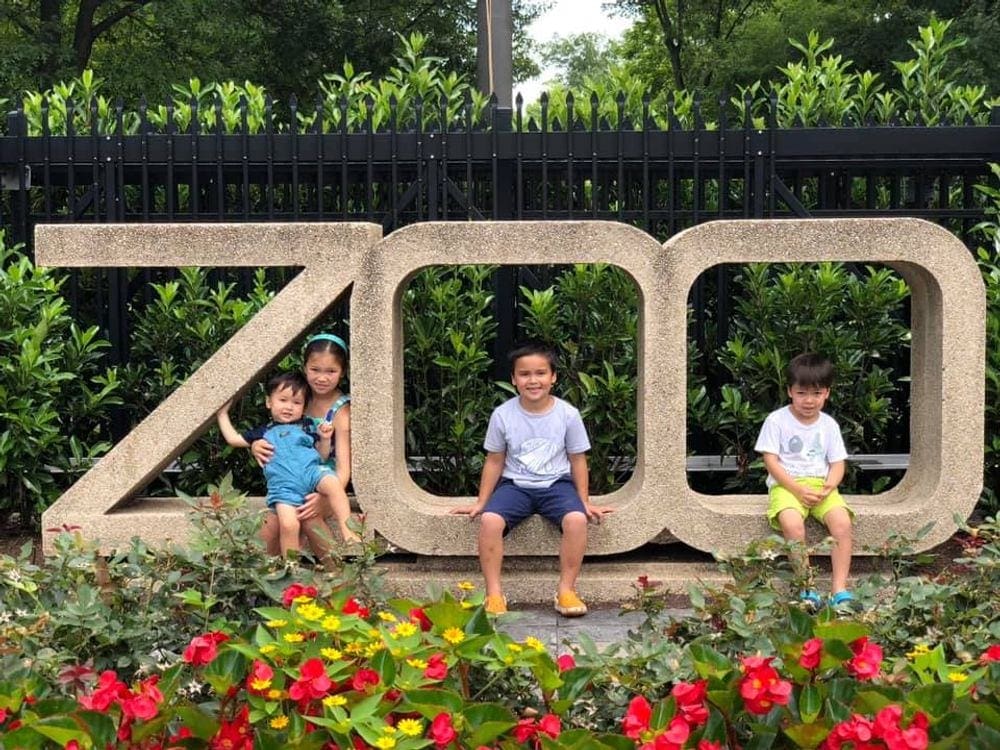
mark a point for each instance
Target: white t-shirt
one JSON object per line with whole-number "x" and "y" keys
{"x": 804, "y": 450}
{"x": 537, "y": 446}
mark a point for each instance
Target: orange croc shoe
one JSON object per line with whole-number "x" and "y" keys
{"x": 568, "y": 604}
{"x": 495, "y": 604}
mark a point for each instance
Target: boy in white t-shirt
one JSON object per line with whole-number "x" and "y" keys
{"x": 804, "y": 455}
{"x": 536, "y": 462}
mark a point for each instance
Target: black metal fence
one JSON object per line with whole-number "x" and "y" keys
{"x": 661, "y": 180}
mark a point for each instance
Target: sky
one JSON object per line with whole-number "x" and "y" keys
{"x": 564, "y": 18}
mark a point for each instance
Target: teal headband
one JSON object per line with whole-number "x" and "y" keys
{"x": 328, "y": 337}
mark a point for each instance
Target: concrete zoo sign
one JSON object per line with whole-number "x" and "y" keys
{"x": 946, "y": 420}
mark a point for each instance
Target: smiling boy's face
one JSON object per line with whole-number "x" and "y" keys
{"x": 533, "y": 377}
{"x": 286, "y": 405}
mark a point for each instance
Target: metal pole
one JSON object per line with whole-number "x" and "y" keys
{"x": 495, "y": 54}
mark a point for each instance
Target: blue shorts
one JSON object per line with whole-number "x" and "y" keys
{"x": 289, "y": 492}
{"x": 514, "y": 503}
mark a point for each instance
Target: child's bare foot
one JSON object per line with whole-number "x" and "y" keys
{"x": 350, "y": 537}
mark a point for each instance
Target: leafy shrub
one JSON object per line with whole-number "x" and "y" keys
{"x": 55, "y": 392}
{"x": 173, "y": 335}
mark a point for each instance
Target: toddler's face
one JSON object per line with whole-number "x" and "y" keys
{"x": 807, "y": 401}
{"x": 286, "y": 405}
{"x": 323, "y": 372}
{"x": 533, "y": 377}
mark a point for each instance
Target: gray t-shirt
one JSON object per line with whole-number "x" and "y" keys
{"x": 537, "y": 446}
{"x": 804, "y": 450}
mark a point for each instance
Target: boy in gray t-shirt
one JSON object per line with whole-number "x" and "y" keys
{"x": 536, "y": 462}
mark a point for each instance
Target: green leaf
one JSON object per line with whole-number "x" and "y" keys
{"x": 810, "y": 703}
{"x": 431, "y": 702}
{"x": 385, "y": 665}
{"x": 201, "y": 724}
{"x": 934, "y": 700}
{"x": 806, "y": 735}
{"x": 840, "y": 630}
{"x": 366, "y": 707}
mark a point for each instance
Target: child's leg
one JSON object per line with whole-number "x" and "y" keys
{"x": 571, "y": 549}
{"x": 838, "y": 523}
{"x": 318, "y": 534}
{"x": 269, "y": 534}
{"x": 336, "y": 499}
{"x": 793, "y": 528}
{"x": 288, "y": 527}
{"x": 491, "y": 528}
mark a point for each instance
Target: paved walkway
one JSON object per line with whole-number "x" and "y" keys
{"x": 603, "y": 625}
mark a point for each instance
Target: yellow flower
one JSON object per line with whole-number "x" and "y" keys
{"x": 385, "y": 743}
{"x": 515, "y": 647}
{"x": 276, "y": 623}
{"x": 260, "y": 685}
{"x": 302, "y": 599}
{"x": 268, "y": 648}
{"x": 417, "y": 663}
{"x": 279, "y": 722}
{"x": 918, "y": 650}
{"x": 466, "y": 586}
{"x": 373, "y": 648}
{"x": 532, "y": 642}
{"x": 454, "y": 636}
{"x": 373, "y": 633}
{"x": 467, "y": 605}
{"x": 957, "y": 677}
{"x": 330, "y": 624}
{"x": 331, "y": 653}
{"x": 331, "y": 701}
{"x": 274, "y": 695}
{"x": 311, "y": 612}
{"x": 354, "y": 649}
{"x": 410, "y": 727}
{"x": 404, "y": 630}
{"x": 508, "y": 659}
{"x": 386, "y": 616}
{"x": 293, "y": 637}
{"x": 387, "y": 729}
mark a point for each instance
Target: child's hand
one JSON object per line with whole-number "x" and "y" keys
{"x": 810, "y": 497}
{"x": 467, "y": 510}
{"x": 826, "y": 489}
{"x": 325, "y": 430}
{"x": 596, "y": 512}
{"x": 262, "y": 451}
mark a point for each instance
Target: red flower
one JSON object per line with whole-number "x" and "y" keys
{"x": 259, "y": 673}
{"x": 204, "y": 648}
{"x": 294, "y": 591}
{"x": 313, "y": 681}
{"x": 760, "y": 687}
{"x": 437, "y": 667}
{"x": 636, "y": 720}
{"x": 442, "y": 731}
{"x": 3, "y": 715}
{"x": 109, "y": 690}
{"x": 72, "y": 745}
{"x": 886, "y": 731}
{"x": 812, "y": 650}
{"x": 991, "y": 654}
{"x": 144, "y": 703}
{"x": 867, "y": 661}
{"x": 566, "y": 661}
{"x": 550, "y": 725}
{"x": 363, "y": 678}
{"x": 690, "y": 697}
{"x": 235, "y": 734}
{"x": 708, "y": 745}
{"x": 353, "y": 607}
{"x": 419, "y": 617}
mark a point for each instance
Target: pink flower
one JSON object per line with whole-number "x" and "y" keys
{"x": 353, "y": 607}
{"x": 109, "y": 690}
{"x": 419, "y": 617}
{"x": 442, "y": 731}
{"x": 812, "y": 650}
{"x": 204, "y": 648}
{"x": 690, "y": 697}
{"x": 525, "y": 730}
{"x": 566, "y": 661}
{"x": 761, "y": 688}
{"x": 867, "y": 661}
{"x": 294, "y": 591}
{"x": 550, "y": 725}
{"x": 363, "y": 678}
{"x": 991, "y": 654}
{"x": 145, "y": 703}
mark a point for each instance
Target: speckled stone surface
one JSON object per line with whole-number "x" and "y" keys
{"x": 946, "y": 423}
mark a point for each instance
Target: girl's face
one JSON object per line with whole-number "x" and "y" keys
{"x": 323, "y": 371}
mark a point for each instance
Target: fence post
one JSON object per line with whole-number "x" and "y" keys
{"x": 505, "y": 277}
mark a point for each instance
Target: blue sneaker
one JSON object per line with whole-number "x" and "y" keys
{"x": 843, "y": 599}
{"x": 810, "y": 599}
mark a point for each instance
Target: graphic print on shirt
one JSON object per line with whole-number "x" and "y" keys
{"x": 796, "y": 447}
{"x": 536, "y": 454}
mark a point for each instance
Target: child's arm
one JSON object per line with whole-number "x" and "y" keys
{"x": 324, "y": 439}
{"x": 833, "y": 478}
{"x": 803, "y": 494}
{"x": 229, "y": 433}
{"x": 342, "y": 443}
{"x": 580, "y": 475}
{"x": 492, "y": 471}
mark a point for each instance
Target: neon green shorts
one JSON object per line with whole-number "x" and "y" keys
{"x": 781, "y": 499}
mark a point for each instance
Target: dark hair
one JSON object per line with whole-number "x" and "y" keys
{"x": 325, "y": 346}
{"x": 294, "y": 380}
{"x": 810, "y": 369}
{"x": 533, "y": 348}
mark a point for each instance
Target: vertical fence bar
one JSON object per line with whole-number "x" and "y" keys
{"x": 46, "y": 159}
{"x": 747, "y": 152}
{"x": 672, "y": 126}
{"x": 269, "y": 139}
{"x": 22, "y": 177}
{"x": 620, "y": 156}
{"x": 245, "y": 157}
{"x": 723, "y": 185}
{"x": 545, "y": 154}
{"x": 170, "y": 186}
{"x": 772, "y": 129}
{"x": 394, "y": 158}
{"x": 293, "y": 134}
{"x": 570, "y": 131}
{"x": 193, "y": 131}
{"x": 646, "y": 199}
{"x": 344, "y": 206}
{"x": 443, "y": 176}
{"x": 220, "y": 160}
{"x": 519, "y": 160}
{"x": 696, "y": 164}
{"x": 318, "y": 132}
